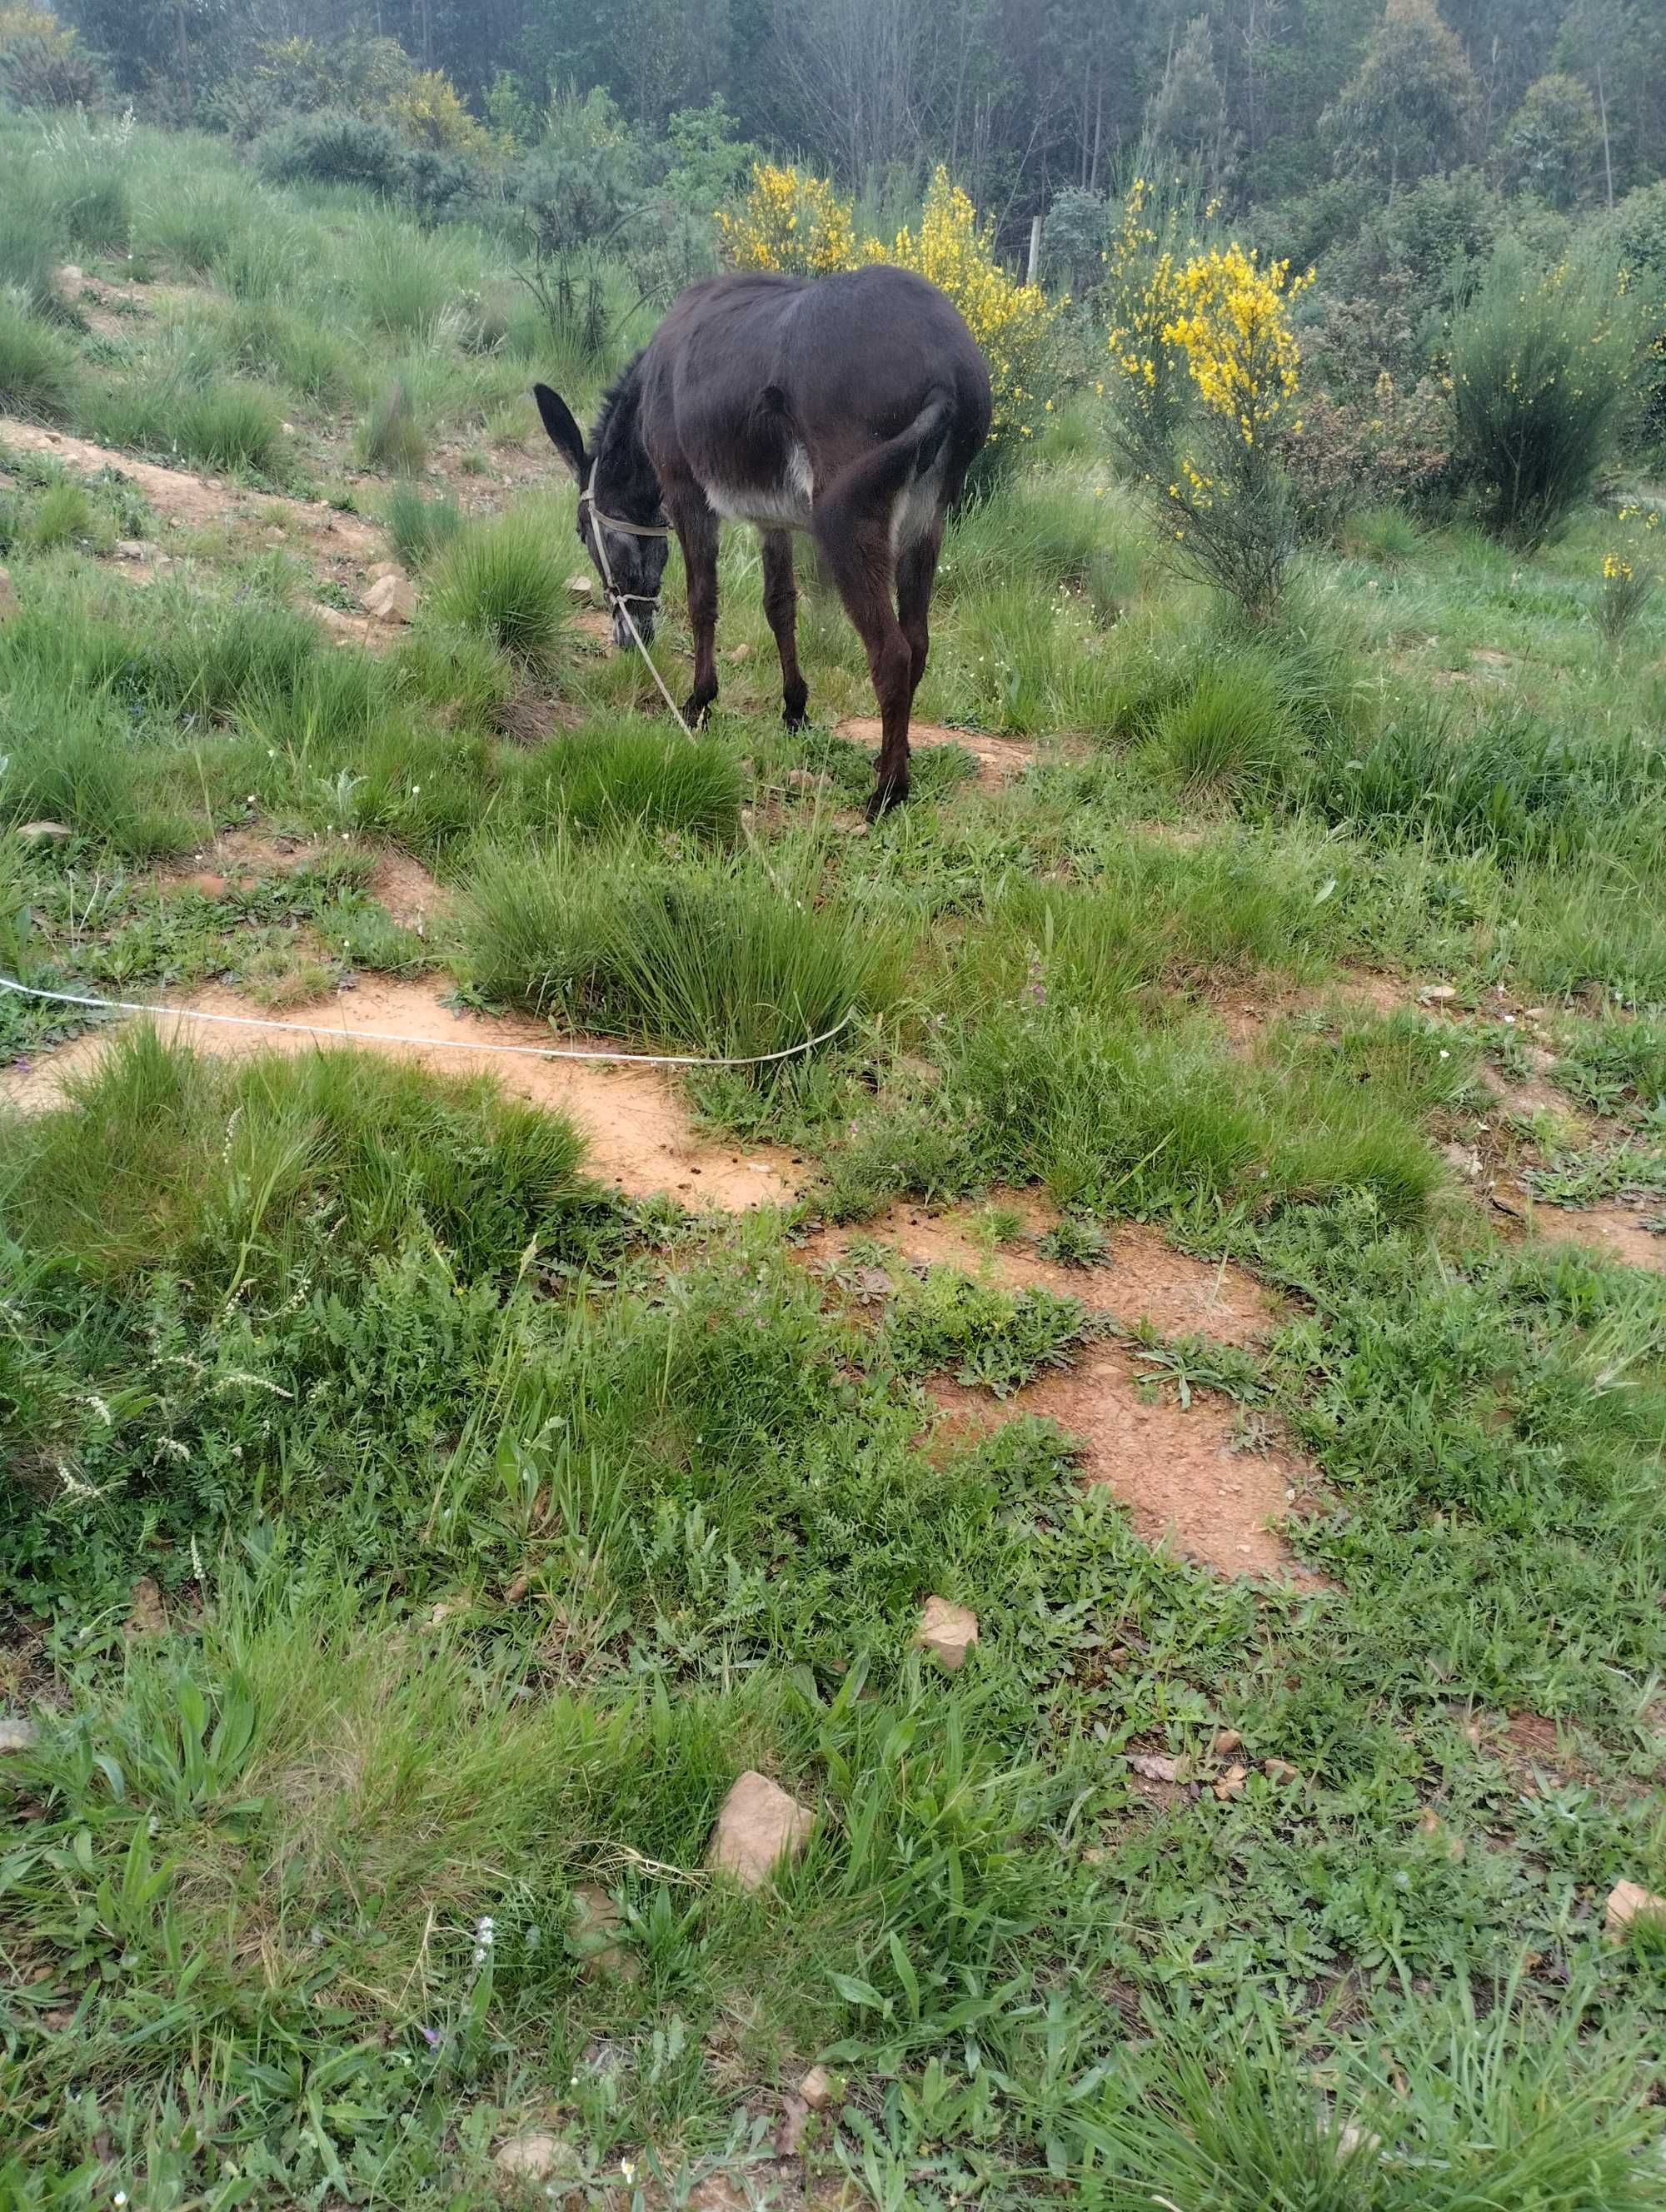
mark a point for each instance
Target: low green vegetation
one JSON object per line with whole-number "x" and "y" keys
{"x": 405, "y": 1531}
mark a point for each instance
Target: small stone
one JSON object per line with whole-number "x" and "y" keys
{"x": 44, "y": 833}
{"x": 805, "y": 779}
{"x": 947, "y": 1631}
{"x": 132, "y": 549}
{"x": 1437, "y": 994}
{"x": 581, "y": 586}
{"x": 1227, "y": 1742}
{"x": 1465, "y": 1160}
{"x": 1231, "y": 1784}
{"x": 514, "y": 1591}
{"x": 759, "y": 1825}
{"x": 9, "y": 606}
{"x": 70, "y": 275}
{"x": 1630, "y": 1906}
{"x": 738, "y": 654}
{"x": 1157, "y": 1766}
{"x": 288, "y": 428}
{"x": 447, "y": 1609}
{"x": 538, "y": 2155}
{"x": 816, "y": 2088}
{"x": 789, "y": 2134}
{"x": 595, "y": 1916}
{"x": 16, "y": 1733}
{"x": 390, "y": 599}
{"x": 148, "y": 1617}
{"x": 1357, "y": 2142}
{"x": 1281, "y": 1773}
{"x": 384, "y": 569}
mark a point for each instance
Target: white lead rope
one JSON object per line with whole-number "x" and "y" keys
{"x": 601, "y": 524}
{"x": 436, "y": 1044}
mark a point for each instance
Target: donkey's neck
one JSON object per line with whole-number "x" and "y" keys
{"x": 625, "y": 479}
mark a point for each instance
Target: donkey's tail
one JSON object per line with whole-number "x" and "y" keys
{"x": 879, "y": 476}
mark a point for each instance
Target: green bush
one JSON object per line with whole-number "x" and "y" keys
{"x": 37, "y": 366}
{"x": 1543, "y": 370}
{"x": 504, "y": 579}
{"x": 633, "y": 777}
{"x": 421, "y": 527}
{"x": 331, "y": 148}
{"x": 392, "y": 440}
{"x": 721, "y": 960}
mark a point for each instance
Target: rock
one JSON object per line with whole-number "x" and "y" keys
{"x": 1357, "y": 2142}
{"x": 514, "y": 1591}
{"x": 805, "y": 779}
{"x": 816, "y": 2088}
{"x": 1437, "y": 994}
{"x": 538, "y": 2155}
{"x": 1227, "y": 1742}
{"x": 595, "y": 1917}
{"x": 1281, "y": 1773}
{"x": 44, "y": 833}
{"x": 789, "y": 2134}
{"x": 947, "y": 1631}
{"x": 1231, "y": 1784}
{"x": 1465, "y": 1160}
{"x": 148, "y": 1617}
{"x": 16, "y": 1733}
{"x": 9, "y": 606}
{"x": 1155, "y": 1767}
{"x": 759, "y": 1824}
{"x": 739, "y": 653}
{"x": 132, "y": 549}
{"x": 70, "y": 275}
{"x": 392, "y": 599}
{"x": 1630, "y": 1906}
{"x": 384, "y": 569}
{"x": 581, "y": 586}
{"x": 288, "y": 428}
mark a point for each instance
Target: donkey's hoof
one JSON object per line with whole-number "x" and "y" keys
{"x": 885, "y": 796}
{"x": 696, "y": 711}
{"x": 795, "y": 718}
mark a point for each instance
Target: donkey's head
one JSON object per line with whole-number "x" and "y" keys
{"x": 621, "y": 523}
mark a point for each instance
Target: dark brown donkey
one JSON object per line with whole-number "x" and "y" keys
{"x": 848, "y": 406}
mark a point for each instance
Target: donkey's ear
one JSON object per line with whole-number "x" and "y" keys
{"x": 565, "y": 433}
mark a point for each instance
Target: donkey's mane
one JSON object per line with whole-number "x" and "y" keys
{"x": 616, "y": 443}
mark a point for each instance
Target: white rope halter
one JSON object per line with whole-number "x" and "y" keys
{"x": 620, "y": 601}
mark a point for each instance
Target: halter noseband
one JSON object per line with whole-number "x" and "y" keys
{"x": 614, "y": 596}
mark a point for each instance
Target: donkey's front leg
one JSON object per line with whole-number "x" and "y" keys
{"x": 780, "y": 610}
{"x": 696, "y": 532}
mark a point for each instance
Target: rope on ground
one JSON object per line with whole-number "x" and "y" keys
{"x": 436, "y": 1044}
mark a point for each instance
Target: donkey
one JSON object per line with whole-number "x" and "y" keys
{"x": 850, "y": 407}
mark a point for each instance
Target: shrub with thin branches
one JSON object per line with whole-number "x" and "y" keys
{"x": 1543, "y": 370}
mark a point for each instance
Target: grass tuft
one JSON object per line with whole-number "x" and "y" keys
{"x": 503, "y": 579}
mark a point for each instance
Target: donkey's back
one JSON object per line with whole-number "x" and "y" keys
{"x": 765, "y": 390}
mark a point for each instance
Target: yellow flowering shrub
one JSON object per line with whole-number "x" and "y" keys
{"x": 430, "y": 111}
{"x": 1629, "y": 574}
{"x": 789, "y": 221}
{"x": 1206, "y": 364}
{"x": 19, "y": 24}
{"x": 799, "y": 224}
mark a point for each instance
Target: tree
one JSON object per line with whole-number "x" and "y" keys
{"x": 1187, "y": 112}
{"x": 1414, "y": 107}
{"x": 1553, "y": 146}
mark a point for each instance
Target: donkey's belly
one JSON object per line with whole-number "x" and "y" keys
{"x": 784, "y": 505}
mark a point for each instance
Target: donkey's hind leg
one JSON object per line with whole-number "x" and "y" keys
{"x": 859, "y": 558}
{"x": 696, "y": 526}
{"x": 780, "y": 607}
{"x": 916, "y": 572}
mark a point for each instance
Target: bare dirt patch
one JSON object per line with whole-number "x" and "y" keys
{"x": 1246, "y": 1010}
{"x": 639, "y": 1134}
{"x": 1613, "y": 1228}
{"x": 1182, "y": 1471}
{"x": 1141, "y": 1277}
{"x": 998, "y": 759}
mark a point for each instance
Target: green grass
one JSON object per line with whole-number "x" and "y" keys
{"x": 504, "y": 580}
{"x": 392, "y": 440}
{"x": 500, "y": 1520}
{"x": 37, "y": 366}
